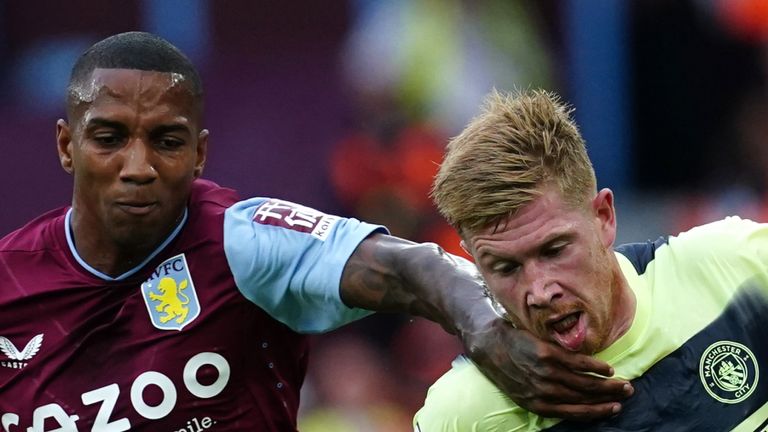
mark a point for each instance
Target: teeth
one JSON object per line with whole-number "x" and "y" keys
{"x": 565, "y": 323}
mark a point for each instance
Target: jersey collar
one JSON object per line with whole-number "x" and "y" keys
{"x": 129, "y": 273}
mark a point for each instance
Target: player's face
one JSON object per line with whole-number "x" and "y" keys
{"x": 552, "y": 267}
{"x": 134, "y": 148}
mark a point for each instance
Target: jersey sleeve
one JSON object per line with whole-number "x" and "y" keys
{"x": 464, "y": 400}
{"x": 288, "y": 259}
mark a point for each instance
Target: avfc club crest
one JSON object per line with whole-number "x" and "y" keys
{"x": 170, "y": 295}
{"x": 729, "y": 371}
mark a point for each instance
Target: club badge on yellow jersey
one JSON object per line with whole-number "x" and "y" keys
{"x": 729, "y": 371}
{"x": 170, "y": 295}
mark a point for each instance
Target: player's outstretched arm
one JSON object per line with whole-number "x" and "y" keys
{"x": 389, "y": 274}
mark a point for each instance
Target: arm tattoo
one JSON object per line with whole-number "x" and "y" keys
{"x": 388, "y": 274}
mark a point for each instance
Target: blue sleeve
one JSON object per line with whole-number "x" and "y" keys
{"x": 288, "y": 260}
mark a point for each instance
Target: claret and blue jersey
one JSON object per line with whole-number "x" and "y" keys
{"x": 206, "y": 334}
{"x": 696, "y": 353}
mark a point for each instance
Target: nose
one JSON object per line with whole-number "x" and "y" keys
{"x": 137, "y": 163}
{"x": 541, "y": 290}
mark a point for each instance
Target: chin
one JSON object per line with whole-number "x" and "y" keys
{"x": 592, "y": 346}
{"x": 135, "y": 236}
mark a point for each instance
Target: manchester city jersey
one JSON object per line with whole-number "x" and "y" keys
{"x": 694, "y": 353}
{"x": 205, "y": 335}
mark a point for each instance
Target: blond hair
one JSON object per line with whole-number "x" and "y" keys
{"x": 519, "y": 143}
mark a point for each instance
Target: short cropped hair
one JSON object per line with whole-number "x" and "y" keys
{"x": 132, "y": 50}
{"x": 519, "y": 143}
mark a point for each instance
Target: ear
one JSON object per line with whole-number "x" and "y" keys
{"x": 64, "y": 145}
{"x": 464, "y": 247}
{"x": 202, "y": 152}
{"x": 605, "y": 216}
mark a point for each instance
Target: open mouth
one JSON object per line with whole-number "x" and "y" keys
{"x": 569, "y": 331}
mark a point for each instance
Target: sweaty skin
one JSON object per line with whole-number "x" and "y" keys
{"x": 134, "y": 151}
{"x": 87, "y": 91}
{"x": 552, "y": 267}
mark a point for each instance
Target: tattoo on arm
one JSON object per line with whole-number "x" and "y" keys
{"x": 389, "y": 274}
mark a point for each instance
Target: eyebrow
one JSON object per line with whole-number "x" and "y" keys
{"x": 548, "y": 241}
{"x": 563, "y": 235}
{"x": 102, "y": 122}
{"x": 160, "y": 130}
{"x": 169, "y": 128}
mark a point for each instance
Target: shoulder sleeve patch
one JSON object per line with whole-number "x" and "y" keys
{"x": 295, "y": 217}
{"x": 288, "y": 259}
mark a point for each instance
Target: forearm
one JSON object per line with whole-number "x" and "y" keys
{"x": 390, "y": 274}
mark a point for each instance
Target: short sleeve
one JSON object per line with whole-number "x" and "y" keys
{"x": 288, "y": 259}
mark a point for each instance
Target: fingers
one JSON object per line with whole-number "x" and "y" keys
{"x": 546, "y": 379}
{"x": 558, "y": 390}
{"x": 578, "y": 372}
{"x": 575, "y": 412}
{"x": 604, "y": 392}
{"x": 556, "y": 382}
{"x": 582, "y": 363}
{"x": 595, "y": 389}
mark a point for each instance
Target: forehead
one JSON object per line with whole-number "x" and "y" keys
{"x": 130, "y": 86}
{"x": 546, "y": 216}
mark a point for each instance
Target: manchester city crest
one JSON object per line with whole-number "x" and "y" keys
{"x": 170, "y": 295}
{"x": 729, "y": 371}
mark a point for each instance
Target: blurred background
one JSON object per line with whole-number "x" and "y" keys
{"x": 346, "y": 106}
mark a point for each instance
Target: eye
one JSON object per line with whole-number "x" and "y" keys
{"x": 170, "y": 143}
{"x": 504, "y": 267}
{"x": 553, "y": 250}
{"x": 108, "y": 139}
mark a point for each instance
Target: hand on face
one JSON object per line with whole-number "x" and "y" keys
{"x": 544, "y": 378}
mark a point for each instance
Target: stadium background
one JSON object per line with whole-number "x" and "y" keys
{"x": 346, "y": 105}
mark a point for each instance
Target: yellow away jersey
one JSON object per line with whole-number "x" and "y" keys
{"x": 694, "y": 352}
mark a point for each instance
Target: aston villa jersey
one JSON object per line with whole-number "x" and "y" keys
{"x": 205, "y": 335}
{"x": 696, "y": 353}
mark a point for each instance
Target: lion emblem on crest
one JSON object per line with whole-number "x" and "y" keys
{"x": 172, "y": 300}
{"x": 170, "y": 295}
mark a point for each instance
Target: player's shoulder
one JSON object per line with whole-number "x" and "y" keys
{"x": 716, "y": 249}
{"x": 731, "y": 233}
{"x": 209, "y": 196}
{"x": 36, "y": 234}
{"x": 731, "y": 227}
{"x": 463, "y": 399}
{"x": 714, "y": 238}
{"x": 207, "y": 205}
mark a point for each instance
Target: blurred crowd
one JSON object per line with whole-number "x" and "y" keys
{"x": 346, "y": 106}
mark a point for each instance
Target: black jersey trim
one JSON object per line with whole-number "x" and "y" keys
{"x": 641, "y": 254}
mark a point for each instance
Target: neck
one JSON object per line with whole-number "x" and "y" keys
{"x": 107, "y": 257}
{"x": 113, "y": 255}
{"x": 624, "y": 305}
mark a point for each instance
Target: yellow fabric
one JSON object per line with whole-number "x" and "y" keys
{"x": 686, "y": 287}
